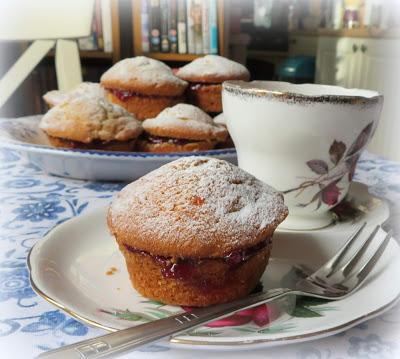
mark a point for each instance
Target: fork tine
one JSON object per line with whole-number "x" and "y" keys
{"x": 333, "y": 263}
{"x": 366, "y": 268}
{"x": 353, "y": 261}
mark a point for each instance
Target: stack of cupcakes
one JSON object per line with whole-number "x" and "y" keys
{"x": 147, "y": 90}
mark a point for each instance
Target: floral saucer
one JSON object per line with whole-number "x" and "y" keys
{"x": 24, "y": 135}
{"x": 79, "y": 269}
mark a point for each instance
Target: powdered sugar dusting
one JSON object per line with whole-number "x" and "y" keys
{"x": 213, "y": 65}
{"x": 88, "y": 89}
{"x": 142, "y": 69}
{"x": 86, "y": 119}
{"x": 183, "y": 111}
{"x": 220, "y": 119}
{"x": 197, "y": 202}
{"x": 187, "y": 117}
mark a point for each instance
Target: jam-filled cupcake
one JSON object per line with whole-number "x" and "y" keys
{"x": 196, "y": 231}
{"x": 205, "y": 76}
{"x": 143, "y": 86}
{"x": 88, "y": 89}
{"x": 220, "y": 120}
{"x": 181, "y": 128}
{"x": 91, "y": 123}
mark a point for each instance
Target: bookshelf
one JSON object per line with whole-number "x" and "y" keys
{"x": 178, "y": 57}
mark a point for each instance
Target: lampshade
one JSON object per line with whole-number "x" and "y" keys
{"x": 45, "y": 19}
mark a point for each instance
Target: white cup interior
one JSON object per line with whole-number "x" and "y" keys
{"x": 310, "y": 90}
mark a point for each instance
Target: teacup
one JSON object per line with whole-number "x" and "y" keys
{"x": 304, "y": 140}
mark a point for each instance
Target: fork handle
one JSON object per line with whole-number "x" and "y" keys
{"x": 127, "y": 339}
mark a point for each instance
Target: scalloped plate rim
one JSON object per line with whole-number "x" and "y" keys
{"x": 26, "y": 146}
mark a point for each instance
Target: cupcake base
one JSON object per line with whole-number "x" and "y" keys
{"x": 123, "y": 146}
{"x": 144, "y": 145}
{"x": 206, "y": 96}
{"x": 143, "y": 106}
{"x": 212, "y": 281}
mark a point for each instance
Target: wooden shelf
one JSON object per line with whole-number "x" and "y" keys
{"x": 163, "y": 56}
{"x": 360, "y": 32}
{"x": 95, "y": 54}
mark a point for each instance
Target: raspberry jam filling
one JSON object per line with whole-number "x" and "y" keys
{"x": 175, "y": 141}
{"x": 185, "y": 268}
{"x": 125, "y": 95}
{"x": 95, "y": 144}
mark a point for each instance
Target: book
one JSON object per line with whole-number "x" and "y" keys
{"x": 182, "y": 33}
{"x": 164, "y": 25}
{"x": 98, "y": 25}
{"x": 106, "y": 23}
{"x": 89, "y": 43}
{"x": 213, "y": 25}
{"x": 190, "y": 27}
{"x": 145, "y": 26}
{"x": 172, "y": 26}
{"x": 196, "y": 13}
{"x": 205, "y": 17}
{"x": 154, "y": 26}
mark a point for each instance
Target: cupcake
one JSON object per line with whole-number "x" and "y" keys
{"x": 220, "y": 120}
{"x": 90, "y": 123}
{"x": 143, "y": 86}
{"x": 88, "y": 89}
{"x": 196, "y": 231}
{"x": 205, "y": 76}
{"x": 179, "y": 129}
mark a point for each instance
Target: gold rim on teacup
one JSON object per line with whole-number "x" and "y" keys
{"x": 260, "y": 89}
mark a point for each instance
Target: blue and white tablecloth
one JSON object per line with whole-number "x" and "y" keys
{"x": 32, "y": 202}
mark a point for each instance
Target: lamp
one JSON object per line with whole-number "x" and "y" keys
{"x": 47, "y": 23}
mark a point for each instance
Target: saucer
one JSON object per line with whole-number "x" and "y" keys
{"x": 78, "y": 268}
{"x": 357, "y": 207}
{"x": 24, "y": 135}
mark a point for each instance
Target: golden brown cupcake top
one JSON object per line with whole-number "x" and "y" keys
{"x": 195, "y": 207}
{"x": 213, "y": 69}
{"x": 185, "y": 122}
{"x": 86, "y": 119}
{"x": 144, "y": 76}
{"x": 88, "y": 89}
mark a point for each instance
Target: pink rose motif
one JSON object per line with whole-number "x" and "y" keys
{"x": 260, "y": 315}
{"x": 330, "y": 194}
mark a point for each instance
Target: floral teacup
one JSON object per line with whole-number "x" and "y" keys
{"x": 304, "y": 140}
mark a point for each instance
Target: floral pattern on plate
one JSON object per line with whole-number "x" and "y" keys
{"x": 260, "y": 319}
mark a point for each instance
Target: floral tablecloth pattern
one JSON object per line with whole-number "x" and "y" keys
{"x": 31, "y": 203}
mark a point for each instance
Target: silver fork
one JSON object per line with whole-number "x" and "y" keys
{"x": 337, "y": 278}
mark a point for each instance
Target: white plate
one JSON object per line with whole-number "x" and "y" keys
{"x": 23, "y": 134}
{"x": 69, "y": 268}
